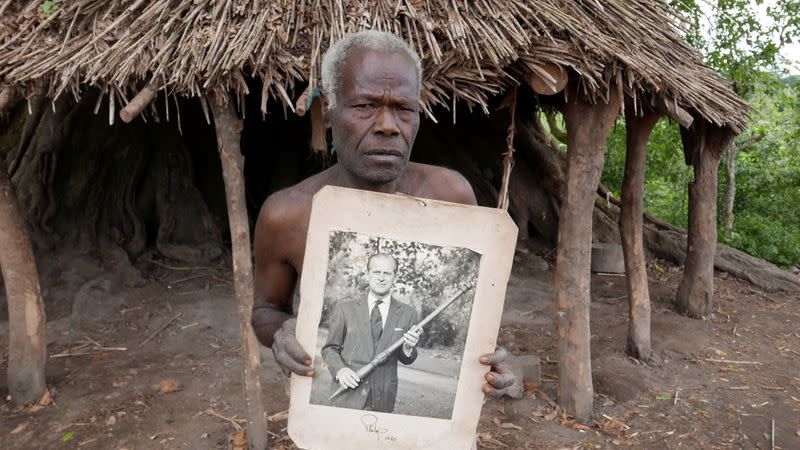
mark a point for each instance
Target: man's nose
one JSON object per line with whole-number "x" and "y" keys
{"x": 386, "y": 122}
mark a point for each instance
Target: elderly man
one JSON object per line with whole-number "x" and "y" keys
{"x": 361, "y": 329}
{"x": 371, "y": 83}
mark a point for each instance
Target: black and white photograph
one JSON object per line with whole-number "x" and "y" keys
{"x": 399, "y": 303}
{"x": 394, "y": 324}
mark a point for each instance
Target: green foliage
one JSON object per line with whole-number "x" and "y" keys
{"x": 767, "y": 204}
{"x": 736, "y": 41}
{"x": 767, "y": 201}
{"x": 665, "y": 187}
{"x": 50, "y": 6}
{"x": 744, "y": 49}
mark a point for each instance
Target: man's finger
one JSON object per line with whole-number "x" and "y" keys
{"x": 498, "y": 357}
{"x": 500, "y": 379}
{"x": 492, "y": 392}
{"x": 350, "y": 381}
{"x": 292, "y": 347}
{"x": 283, "y": 359}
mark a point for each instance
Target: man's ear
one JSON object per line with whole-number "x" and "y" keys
{"x": 326, "y": 118}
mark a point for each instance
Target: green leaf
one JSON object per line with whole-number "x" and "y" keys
{"x": 50, "y": 6}
{"x": 664, "y": 397}
{"x": 70, "y": 435}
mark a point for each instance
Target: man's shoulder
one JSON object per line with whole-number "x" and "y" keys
{"x": 440, "y": 183}
{"x": 291, "y": 203}
{"x": 349, "y": 306}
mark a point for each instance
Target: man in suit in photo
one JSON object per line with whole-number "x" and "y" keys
{"x": 360, "y": 329}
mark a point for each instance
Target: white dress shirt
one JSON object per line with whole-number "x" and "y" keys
{"x": 383, "y": 307}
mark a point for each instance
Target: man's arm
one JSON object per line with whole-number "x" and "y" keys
{"x": 275, "y": 279}
{"x": 409, "y": 357}
{"x": 332, "y": 350}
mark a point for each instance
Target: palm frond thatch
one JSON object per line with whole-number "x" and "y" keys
{"x": 472, "y": 49}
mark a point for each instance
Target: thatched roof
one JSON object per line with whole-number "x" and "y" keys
{"x": 472, "y": 49}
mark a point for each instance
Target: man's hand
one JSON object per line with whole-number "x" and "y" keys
{"x": 410, "y": 339}
{"x": 499, "y": 377}
{"x": 288, "y": 353}
{"x": 347, "y": 378}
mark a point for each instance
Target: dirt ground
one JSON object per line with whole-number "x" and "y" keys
{"x": 153, "y": 362}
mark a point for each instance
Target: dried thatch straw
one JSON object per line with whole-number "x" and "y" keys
{"x": 472, "y": 49}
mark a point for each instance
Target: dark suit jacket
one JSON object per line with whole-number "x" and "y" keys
{"x": 350, "y": 345}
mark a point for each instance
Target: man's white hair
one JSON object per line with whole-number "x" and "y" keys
{"x": 334, "y": 59}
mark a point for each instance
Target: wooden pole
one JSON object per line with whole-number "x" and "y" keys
{"x": 587, "y": 129}
{"x": 27, "y": 346}
{"x": 508, "y": 159}
{"x": 630, "y": 228}
{"x": 703, "y": 145}
{"x": 228, "y": 128}
{"x": 138, "y": 103}
{"x": 547, "y": 79}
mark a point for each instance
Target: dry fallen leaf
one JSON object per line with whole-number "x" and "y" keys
{"x": 46, "y": 399}
{"x": 531, "y": 388}
{"x": 98, "y": 358}
{"x": 19, "y": 428}
{"x": 239, "y": 440}
{"x": 168, "y": 386}
{"x": 612, "y": 427}
{"x": 111, "y": 421}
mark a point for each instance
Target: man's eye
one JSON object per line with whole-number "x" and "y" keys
{"x": 365, "y": 106}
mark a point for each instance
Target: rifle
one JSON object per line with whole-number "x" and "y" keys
{"x": 382, "y": 356}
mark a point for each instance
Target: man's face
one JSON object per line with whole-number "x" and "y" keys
{"x": 376, "y": 117}
{"x": 381, "y": 273}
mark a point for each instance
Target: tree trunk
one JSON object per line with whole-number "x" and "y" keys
{"x": 27, "y": 346}
{"x": 704, "y": 145}
{"x": 587, "y": 129}
{"x": 229, "y": 127}
{"x": 730, "y": 188}
{"x": 630, "y": 227}
{"x": 88, "y": 187}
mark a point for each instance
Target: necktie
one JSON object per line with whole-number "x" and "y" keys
{"x": 376, "y": 322}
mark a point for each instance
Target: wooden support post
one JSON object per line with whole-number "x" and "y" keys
{"x": 228, "y": 128}
{"x": 588, "y": 126}
{"x": 508, "y": 159}
{"x": 630, "y": 228}
{"x": 703, "y": 147}
{"x": 27, "y": 346}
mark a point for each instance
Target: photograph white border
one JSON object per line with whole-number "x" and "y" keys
{"x": 488, "y": 231}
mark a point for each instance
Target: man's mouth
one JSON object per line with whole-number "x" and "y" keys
{"x": 384, "y": 153}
